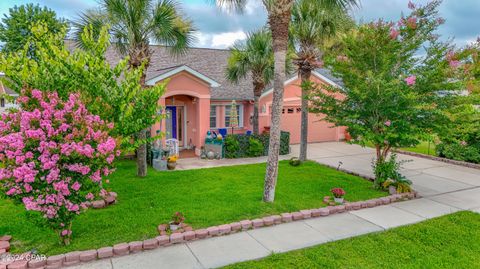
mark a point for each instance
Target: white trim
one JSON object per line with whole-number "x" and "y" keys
{"x": 320, "y": 76}
{"x": 179, "y": 69}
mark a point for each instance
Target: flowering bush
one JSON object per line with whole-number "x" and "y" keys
{"x": 391, "y": 95}
{"x": 177, "y": 218}
{"x": 53, "y": 156}
{"x": 338, "y": 192}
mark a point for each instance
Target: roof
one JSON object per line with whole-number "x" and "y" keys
{"x": 4, "y": 89}
{"x": 211, "y": 63}
{"x": 207, "y": 64}
{"x": 170, "y": 71}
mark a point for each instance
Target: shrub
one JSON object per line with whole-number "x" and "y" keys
{"x": 54, "y": 154}
{"x": 255, "y": 147}
{"x": 238, "y": 145}
{"x": 294, "y": 161}
{"x": 459, "y": 151}
{"x": 232, "y": 146}
{"x": 387, "y": 170}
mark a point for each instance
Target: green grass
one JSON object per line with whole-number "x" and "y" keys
{"x": 451, "y": 241}
{"x": 423, "y": 148}
{"x": 206, "y": 197}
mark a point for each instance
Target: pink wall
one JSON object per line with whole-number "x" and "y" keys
{"x": 189, "y": 91}
{"x": 247, "y": 112}
{"x": 318, "y": 129}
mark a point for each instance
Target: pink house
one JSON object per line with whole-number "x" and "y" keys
{"x": 198, "y": 98}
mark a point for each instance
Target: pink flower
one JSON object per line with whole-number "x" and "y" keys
{"x": 454, "y": 63}
{"x": 394, "y": 33}
{"x": 411, "y": 80}
{"x": 89, "y": 196}
{"x": 411, "y": 5}
{"x": 76, "y": 186}
{"x": 412, "y": 22}
{"x": 388, "y": 123}
{"x": 66, "y": 232}
{"x": 463, "y": 143}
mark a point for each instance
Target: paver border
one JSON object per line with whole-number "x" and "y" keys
{"x": 122, "y": 249}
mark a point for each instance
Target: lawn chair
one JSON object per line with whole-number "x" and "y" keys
{"x": 172, "y": 146}
{"x": 223, "y": 132}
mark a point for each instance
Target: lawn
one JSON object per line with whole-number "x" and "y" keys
{"x": 423, "y": 148}
{"x": 206, "y": 196}
{"x": 451, "y": 241}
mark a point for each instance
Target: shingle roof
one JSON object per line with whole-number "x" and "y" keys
{"x": 210, "y": 62}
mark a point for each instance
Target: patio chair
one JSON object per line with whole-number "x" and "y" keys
{"x": 223, "y": 132}
{"x": 248, "y": 132}
{"x": 172, "y": 146}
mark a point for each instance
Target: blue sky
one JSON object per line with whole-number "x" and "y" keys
{"x": 220, "y": 29}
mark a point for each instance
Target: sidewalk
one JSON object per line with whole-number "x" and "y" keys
{"x": 445, "y": 189}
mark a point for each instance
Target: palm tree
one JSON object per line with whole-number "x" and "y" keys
{"x": 279, "y": 13}
{"x": 255, "y": 58}
{"x": 134, "y": 23}
{"x": 313, "y": 24}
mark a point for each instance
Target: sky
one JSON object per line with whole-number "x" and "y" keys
{"x": 217, "y": 28}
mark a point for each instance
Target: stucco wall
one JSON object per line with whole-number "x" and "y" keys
{"x": 318, "y": 129}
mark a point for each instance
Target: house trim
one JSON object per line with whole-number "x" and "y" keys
{"x": 179, "y": 69}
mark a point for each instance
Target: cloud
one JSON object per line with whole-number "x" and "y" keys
{"x": 221, "y": 40}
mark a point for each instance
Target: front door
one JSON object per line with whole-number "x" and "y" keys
{"x": 175, "y": 123}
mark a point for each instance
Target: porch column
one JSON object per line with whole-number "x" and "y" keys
{"x": 161, "y": 124}
{"x": 203, "y": 122}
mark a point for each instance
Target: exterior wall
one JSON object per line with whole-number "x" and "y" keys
{"x": 318, "y": 129}
{"x": 220, "y": 105}
{"x": 184, "y": 89}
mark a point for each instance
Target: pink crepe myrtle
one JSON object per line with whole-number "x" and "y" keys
{"x": 411, "y": 80}
{"x": 53, "y": 156}
{"x": 394, "y": 33}
{"x": 388, "y": 123}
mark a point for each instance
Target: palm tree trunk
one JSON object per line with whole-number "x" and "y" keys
{"x": 257, "y": 92}
{"x": 305, "y": 77}
{"x": 279, "y": 19}
{"x": 255, "y": 115}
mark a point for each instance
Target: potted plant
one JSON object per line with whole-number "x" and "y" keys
{"x": 177, "y": 220}
{"x": 338, "y": 194}
{"x": 172, "y": 162}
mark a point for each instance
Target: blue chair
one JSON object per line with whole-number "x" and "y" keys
{"x": 249, "y": 132}
{"x": 223, "y": 132}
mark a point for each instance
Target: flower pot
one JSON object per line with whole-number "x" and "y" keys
{"x": 338, "y": 200}
{"x": 171, "y": 165}
{"x": 392, "y": 190}
{"x": 174, "y": 227}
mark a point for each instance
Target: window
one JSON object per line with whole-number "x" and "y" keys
{"x": 213, "y": 116}
{"x": 2, "y": 102}
{"x": 239, "y": 115}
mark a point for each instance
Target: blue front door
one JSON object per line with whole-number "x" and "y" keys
{"x": 171, "y": 122}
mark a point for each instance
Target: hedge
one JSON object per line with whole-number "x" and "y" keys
{"x": 243, "y": 145}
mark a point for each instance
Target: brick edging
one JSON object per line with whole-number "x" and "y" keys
{"x": 440, "y": 159}
{"x": 121, "y": 249}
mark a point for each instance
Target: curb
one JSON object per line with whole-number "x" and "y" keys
{"x": 440, "y": 159}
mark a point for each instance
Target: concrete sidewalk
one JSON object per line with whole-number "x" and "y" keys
{"x": 445, "y": 189}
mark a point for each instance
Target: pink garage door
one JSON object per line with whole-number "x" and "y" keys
{"x": 318, "y": 129}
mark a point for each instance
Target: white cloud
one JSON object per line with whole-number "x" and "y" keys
{"x": 225, "y": 40}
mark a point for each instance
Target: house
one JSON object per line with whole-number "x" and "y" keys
{"x": 198, "y": 98}
{"x": 7, "y": 97}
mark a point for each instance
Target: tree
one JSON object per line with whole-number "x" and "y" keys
{"x": 113, "y": 93}
{"x": 391, "y": 95}
{"x": 15, "y": 29}
{"x": 133, "y": 25}
{"x": 313, "y": 25}
{"x": 279, "y": 13}
{"x": 54, "y": 155}
{"x": 254, "y": 58}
